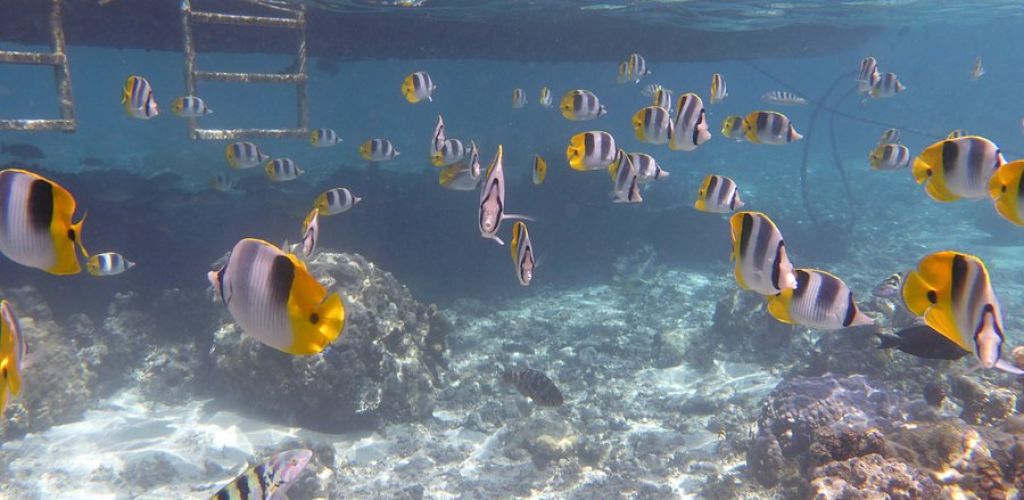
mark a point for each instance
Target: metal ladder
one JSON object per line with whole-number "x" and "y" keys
{"x": 61, "y": 73}
{"x": 299, "y": 78}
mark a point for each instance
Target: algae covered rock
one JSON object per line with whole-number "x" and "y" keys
{"x": 381, "y": 369}
{"x": 872, "y": 476}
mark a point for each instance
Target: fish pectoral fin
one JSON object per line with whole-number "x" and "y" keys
{"x": 778, "y": 307}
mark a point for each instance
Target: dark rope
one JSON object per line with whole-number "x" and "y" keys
{"x": 839, "y": 163}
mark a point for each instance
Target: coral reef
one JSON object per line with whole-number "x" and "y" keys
{"x": 871, "y": 476}
{"x": 382, "y": 368}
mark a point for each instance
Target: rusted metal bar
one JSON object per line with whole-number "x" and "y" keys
{"x": 61, "y": 75}
{"x": 268, "y": 22}
{"x": 250, "y": 133}
{"x": 61, "y": 72}
{"x": 300, "y": 58}
{"x": 218, "y": 76}
{"x": 42, "y": 58}
{"x": 190, "y": 59}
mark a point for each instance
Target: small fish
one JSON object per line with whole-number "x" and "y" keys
{"x": 378, "y": 150}
{"x": 890, "y": 286}
{"x": 783, "y": 98}
{"x": 652, "y": 125}
{"x": 522, "y": 253}
{"x": 462, "y": 176}
{"x": 336, "y": 201}
{"x": 108, "y": 264}
{"x": 540, "y": 170}
{"x": 269, "y": 480}
{"x": 977, "y": 71}
{"x": 13, "y": 351}
{"x": 662, "y": 98}
{"x": 545, "y": 97}
{"x": 534, "y": 385}
{"x": 623, "y": 74}
{"x": 647, "y": 168}
{"x": 580, "y": 105}
{"x": 889, "y": 157}
{"x": 275, "y": 300}
{"x": 690, "y": 129}
{"x": 957, "y": 133}
{"x": 418, "y": 86}
{"x": 190, "y": 106}
{"x": 310, "y": 232}
{"x": 760, "y": 254}
{"x": 868, "y": 75}
{"x": 718, "y": 194}
{"x": 518, "y": 98}
{"x": 438, "y": 138}
{"x": 282, "y": 170}
{"x": 491, "y": 209}
{"x": 732, "y": 128}
{"x": 887, "y": 86}
{"x": 890, "y": 136}
{"x": 23, "y": 151}
{"x": 922, "y": 341}
{"x": 36, "y": 225}
{"x": 650, "y": 89}
{"x": 223, "y": 183}
{"x": 324, "y": 138}
{"x": 626, "y": 188}
{"x": 636, "y": 68}
{"x": 718, "y": 89}
{"x": 137, "y": 98}
{"x": 1006, "y": 188}
{"x": 769, "y": 127}
{"x": 958, "y": 168}
{"x": 594, "y": 150}
{"x": 242, "y": 155}
{"x": 819, "y": 300}
{"x": 450, "y": 152}
{"x": 952, "y": 291}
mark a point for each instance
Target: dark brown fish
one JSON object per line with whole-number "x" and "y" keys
{"x": 23, "y": 151}
{"x": 534, "y": 385}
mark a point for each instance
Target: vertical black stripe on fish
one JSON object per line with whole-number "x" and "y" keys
{"x": 40, "y": 204}
{"x": 606, "y": 148}
{"x": 578, "y": 102}
{"x": 828, "y": 292}
{"x": 762, "y": 241}
{"x": 725, "y": 191}
{"x": 803, "y": 278}
{"x": 950, "y": 153}
{"x": 1020, "y": 193}
{"x": 242, "y": 484}
{"x": 777, "y": 265}
{"x": 712, "y": 183}
{"x": 732, "y": 202}
{"x": 762, "y": 122}
{"x": 851, "y": 309}
{"x": 975, "y": 159}
{"x": 990, "y": 312}
{"x": 282, "y": 274}
{"x": 745, "y": 230}
{"x": 648, "y": 118}
{"x": 959, "y": 274}
{"x": 589, "y": 146}
{"x": 262, "y": 473}
{"x": 223, "y": 494}
{"x": 777, "y": 124}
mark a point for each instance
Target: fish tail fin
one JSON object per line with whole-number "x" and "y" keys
{"x": 888, "y": 341}
{"x": 332, "y": 317}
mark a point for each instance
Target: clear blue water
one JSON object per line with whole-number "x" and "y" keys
{"x": 427, "y": 236}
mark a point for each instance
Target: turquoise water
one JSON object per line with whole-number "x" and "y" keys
{"x": 625, "y": 301}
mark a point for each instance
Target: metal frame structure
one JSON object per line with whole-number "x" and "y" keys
{"x": 61, "y": 73}
{"x": 300, "y": 78}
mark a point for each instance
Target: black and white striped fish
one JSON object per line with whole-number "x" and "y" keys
{"x": 518, "y": 98}
{"x": 652, "y": 125}
{"x": 522, "y": 253}
{"x": 190, "y": 106}
{"x": 593, "y": 150}
{"x": 137, "y": 98}
{"x": 647, "y": 168}
{"x": 718, "y": 89}
{"x": 464, "y": 175}
{"x": 378, "y": 150}
{"x": 783, "y": 98}
{"x": 760, "y": 254}
{"x": 626, "y": 187}
{"x": 242, "y": 155}
{"x": 718, "y": 194}
{"x": 418, "y": 86}
{"x": 819, "y": 300}
{"x": 108, "y": 264}
{"x": 889, "y": 157}
{"x": 769, "y": 127}
{"x": 581, "y": 105}
{"x": 887, "y": 86}
{"x": 324, "y": 138}
{"x": 491, "y": 209}
{"x": 269, "y": 480}
{"x": 282, "y": 170}
{"x": 868, "y": 75}
{"x": 275, "y": 300}
{"x": 35, "y": 223}
{"x": 690, "y": 128}
{"x": 890, "y": 136}
{"x": 336, "y": 201}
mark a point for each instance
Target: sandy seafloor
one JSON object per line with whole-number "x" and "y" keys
{"x": 128, "y": 448}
